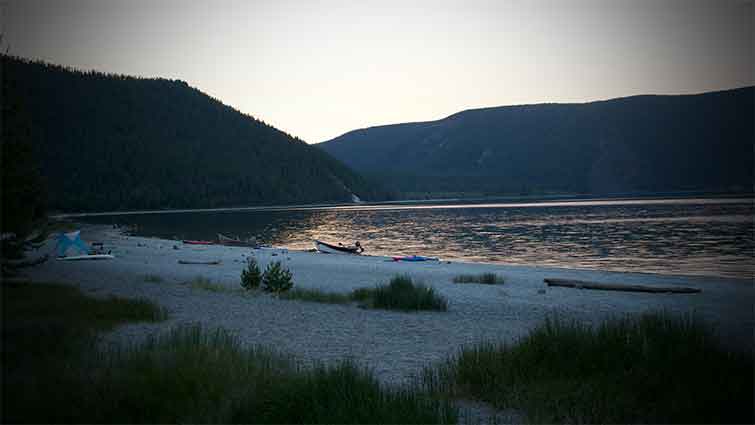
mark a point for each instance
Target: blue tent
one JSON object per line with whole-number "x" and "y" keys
{"x": 71, "y": 244}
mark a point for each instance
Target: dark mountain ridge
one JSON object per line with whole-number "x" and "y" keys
{"x": 637, "y": 144}
{"x": 114, "y": 142}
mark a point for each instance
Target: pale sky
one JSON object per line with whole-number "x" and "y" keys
{"x": 317, "y": 69}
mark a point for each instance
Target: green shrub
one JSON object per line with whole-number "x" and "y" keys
{"x": 276, "y": 278}
{"x": 485, "y": 278}
{"x": 251, "y": 277}
{"x": 652, "y": 369}
{"x": 401, "y": 294}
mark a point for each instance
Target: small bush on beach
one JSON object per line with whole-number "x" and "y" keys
{"x": 276, "y": 278}
{"x": 485, "y": 278}
{"x": 401, "y": 294}
{"x": 651, "y": 369}
{"x": 251, "y": 277}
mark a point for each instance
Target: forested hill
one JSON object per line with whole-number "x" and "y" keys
{"x": 111, "y": 142}
{"x": 629, "y": 145}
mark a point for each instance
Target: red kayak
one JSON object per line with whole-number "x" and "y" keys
{"x": 190, "y": 242}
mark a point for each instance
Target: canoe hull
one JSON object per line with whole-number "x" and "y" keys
{"x": 413, "y": 258}
{"x": 334, "y": 249}
{"x": 188, "y": 242}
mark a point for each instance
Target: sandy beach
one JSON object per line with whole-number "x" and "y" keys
{"x": 396, "y": 345}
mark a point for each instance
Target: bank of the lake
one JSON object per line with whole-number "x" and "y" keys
{"x": 396, "y": 345}
{"x": 673, "y": 236}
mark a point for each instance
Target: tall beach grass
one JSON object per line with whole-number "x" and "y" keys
{"x": 401, "y": 293}
{"x": 656, "y": 368}
{"x": 190, "y": 374}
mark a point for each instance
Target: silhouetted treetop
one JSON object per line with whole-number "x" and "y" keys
{"x": 111, "y": 142}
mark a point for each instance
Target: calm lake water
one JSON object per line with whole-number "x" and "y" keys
{"x": 711, "y": 237}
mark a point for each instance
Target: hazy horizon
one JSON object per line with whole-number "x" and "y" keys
{"x": 317, "y": 70}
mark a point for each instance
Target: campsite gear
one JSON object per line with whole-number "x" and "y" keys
{"x": 338, "y": 249}
{"x": 72, "y": 248}
{"x": 87, "y": 257}
{"x": 414, "y": 258}
{"x": 70, "y": 244}
{"x": 193, "y": 242}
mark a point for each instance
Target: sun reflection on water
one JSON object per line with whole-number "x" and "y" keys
{"x": 691, "y": 237}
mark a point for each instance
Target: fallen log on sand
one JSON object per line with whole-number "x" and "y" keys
{"x": 579, "y": 284}
{"x": 18, "y": 264}
{"x": 210, "y": 263}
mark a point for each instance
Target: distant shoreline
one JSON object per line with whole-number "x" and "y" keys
{"x": 437, "y": 203}
{"x": 498, "y": 201}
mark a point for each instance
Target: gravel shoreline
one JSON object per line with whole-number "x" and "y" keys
{"x": 395, "y": 345}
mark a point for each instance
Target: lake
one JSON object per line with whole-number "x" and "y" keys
{"x": 706, "y": 236}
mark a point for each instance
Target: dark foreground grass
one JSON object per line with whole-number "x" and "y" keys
{"x": 45, "y": 327}
{"x": 55, "y": 305}
{"x": 484, "y": 278}
{"x": 654, "y": 369}
{"x": 188, "y": 375}
{"x": 200, "y": 376}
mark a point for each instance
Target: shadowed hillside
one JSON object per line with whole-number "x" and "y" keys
{"x": 639, "y": 144}
{"x": 109, "y": 142}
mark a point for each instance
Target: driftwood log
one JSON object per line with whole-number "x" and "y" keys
{"x": 18, "y": 264}
{"x": 579, "y": 284}
{"x": 210, "y": 263}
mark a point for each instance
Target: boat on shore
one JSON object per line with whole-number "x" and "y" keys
{"x": 328, "y": 248}
{"x": 196, "y": 242}
{"x": 236, "y": 241}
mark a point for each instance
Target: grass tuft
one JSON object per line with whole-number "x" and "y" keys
{"x": 652, "y": 369}
{"x": 401, "y": 294}
{"x": 315, "y": 295}
{"x": 205, "y": 284}
{"x": 153, "y": 278}
{"x": 485, "y": 278}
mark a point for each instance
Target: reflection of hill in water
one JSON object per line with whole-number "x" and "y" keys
{"x": 710, "y": 238}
